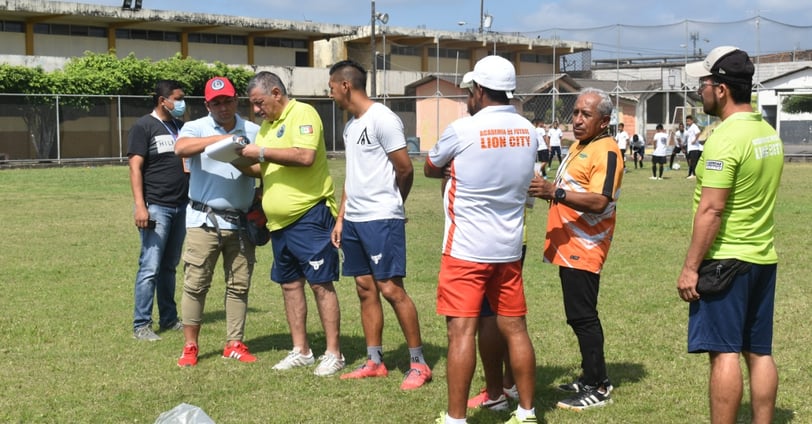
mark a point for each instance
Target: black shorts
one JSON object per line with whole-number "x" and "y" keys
{"x": 658, "y": 160}
{"x": 543, "y": 155}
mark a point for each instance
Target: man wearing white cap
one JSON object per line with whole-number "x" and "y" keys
{"x": 730, "y": 267}
{"x": 489, "y": 158}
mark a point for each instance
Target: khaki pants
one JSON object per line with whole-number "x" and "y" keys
{"x": 200, "y": 257}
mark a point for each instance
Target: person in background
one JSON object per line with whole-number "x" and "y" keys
{"x": 543, "y": 153}
{"x": 371, "y": 224}
{"x": 694, "y": 147}
{"x": 737, "y": 180}
{"x": 622, "y": 139}
{"x": 219, "y": 195}
{"x": 638, "y": 150}
{"x": 679, "y": 144}
{"x": 659, "y": 153}
{"x": 580, "y": 225}
{"x": 554, "y": 136}
{"x": 299, "y": 201}
{"x": 482, "y": 244}
{"x": 160, "y": 190}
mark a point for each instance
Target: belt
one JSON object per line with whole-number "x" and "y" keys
{"x": 229, "y": 215}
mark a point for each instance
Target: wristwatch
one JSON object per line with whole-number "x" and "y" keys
{"x": 560, "y": 194}
{"x": 261, "y": 154}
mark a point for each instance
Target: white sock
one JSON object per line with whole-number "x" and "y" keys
{"x": 522, "y": 413}
{"x": 449, "y": 420}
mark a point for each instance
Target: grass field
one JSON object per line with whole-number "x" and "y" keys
{"x": 68, "y": 257}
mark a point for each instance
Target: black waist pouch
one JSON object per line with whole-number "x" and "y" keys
{"x": 715, "y": 275}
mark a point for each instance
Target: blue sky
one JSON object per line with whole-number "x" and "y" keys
{"x": 621, "y": 28}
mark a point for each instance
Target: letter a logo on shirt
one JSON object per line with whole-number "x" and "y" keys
{"x": 364, "y": 138}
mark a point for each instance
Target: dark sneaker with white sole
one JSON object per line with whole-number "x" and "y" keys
{"x": 588, "y": 397}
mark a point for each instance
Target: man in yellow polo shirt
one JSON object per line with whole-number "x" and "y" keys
{"x": 299, "y": 202}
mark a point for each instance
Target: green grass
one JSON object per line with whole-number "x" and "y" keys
{"x": 68, "y": 256}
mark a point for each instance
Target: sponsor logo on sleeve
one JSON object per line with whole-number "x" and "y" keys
{"x": 714, "y": 165}
{"x": 305, "y": 129}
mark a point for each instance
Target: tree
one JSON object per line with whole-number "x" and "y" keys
{"x": 99, "y": 73}
{"x": 797, "y": 104}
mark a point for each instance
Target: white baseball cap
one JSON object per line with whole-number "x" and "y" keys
{"x": 727, "y": 63}
{"x": 494, "y": 72}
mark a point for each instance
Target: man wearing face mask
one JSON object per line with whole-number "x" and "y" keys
{"x": 160, "y": 193}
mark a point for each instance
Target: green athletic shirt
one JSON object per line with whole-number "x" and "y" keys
{"x": 743, "y": 154}
{"x": 291, "y": 191}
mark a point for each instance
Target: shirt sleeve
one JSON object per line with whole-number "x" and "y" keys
{"x": 446, "y": 148}
{"x": 389, "y": 132}
{"x": 307, "y": 128}
{"x": 721, "y": 160}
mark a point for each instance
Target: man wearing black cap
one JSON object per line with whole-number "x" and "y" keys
{"x": 733, "y": 232}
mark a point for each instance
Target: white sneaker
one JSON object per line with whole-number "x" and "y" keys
{"x": 329, "y": 364}
{"x": 512, "y": 392}
{"x": 295, "y": 359}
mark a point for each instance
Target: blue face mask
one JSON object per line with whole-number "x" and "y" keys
{"x": 179, "y": 110}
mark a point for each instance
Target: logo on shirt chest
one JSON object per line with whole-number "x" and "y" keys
{"x": 364, "y": 138}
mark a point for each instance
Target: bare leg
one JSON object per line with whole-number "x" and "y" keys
{"x": 394, "y": 293}
{"x": 296, "y": 313}
{"x": 763, "y": 386}
{"x": 461, "y": 363}
{"x": 330, "y": 314}
{"x": 371, "y": 309}
{"x": 492, "y": 351}
{"x": 522, "y": 357}
{"x": 725, "y": 387}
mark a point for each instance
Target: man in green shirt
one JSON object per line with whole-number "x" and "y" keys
{"x": 737, "y": 182}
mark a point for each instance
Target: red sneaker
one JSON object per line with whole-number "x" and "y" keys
{"x": 239, "y": 351}
{"x": 482, "y": 400}
{"x": 189, "y": 356}
{"x": 368, "y": 369}
{"x": 418, "y": 375}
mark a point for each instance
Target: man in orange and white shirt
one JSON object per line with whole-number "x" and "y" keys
{"x": 490, "y": 157}
{"x": 580, "y": 225}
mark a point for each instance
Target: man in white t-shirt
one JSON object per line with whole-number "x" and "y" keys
{"x": 659, "y": 153}
{"x": 554, "y": 135}
{"x": 679, "y": 144}
{"x": 694, "y": 147}
{"x": 543, "y": 153}
{"x": 489, "y": 158}
{"x": 371, "y": 224}
{"x": 622, "y": 139}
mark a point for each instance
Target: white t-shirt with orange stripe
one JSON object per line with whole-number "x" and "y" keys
{"x": 492, "y": 155}
{"x": 576, "y": 239}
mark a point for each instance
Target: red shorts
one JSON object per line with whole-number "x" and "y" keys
{"x": 463, "y": 284}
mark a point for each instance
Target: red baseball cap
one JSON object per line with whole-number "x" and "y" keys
{"x": 219, "y": 86}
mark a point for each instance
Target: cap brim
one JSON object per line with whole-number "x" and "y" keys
{"x": 467, "y": 80}
{"x": 697, "y": 70}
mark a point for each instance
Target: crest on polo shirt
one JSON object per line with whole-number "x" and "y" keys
{"x": 281, "y": 131}
{"x": 714, "y": 165}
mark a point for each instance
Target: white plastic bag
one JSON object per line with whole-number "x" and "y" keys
{"x": 184, "y": 414}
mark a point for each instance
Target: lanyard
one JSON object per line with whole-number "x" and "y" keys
{"x": 173, "y": 134}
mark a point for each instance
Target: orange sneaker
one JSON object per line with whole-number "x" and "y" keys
{"x": 189, "y": 356}
{"x": 240, "y": 352}
{"x": 368, "y": 369}
{"x": 418, "y": 375}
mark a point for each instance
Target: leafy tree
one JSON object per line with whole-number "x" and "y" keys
{"x": 99, "y": 73}
{"x": 797, "y": 104}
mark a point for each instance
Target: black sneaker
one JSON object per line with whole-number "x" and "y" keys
{"x": 578, "y": 385}
{"x": 588, "y": 397}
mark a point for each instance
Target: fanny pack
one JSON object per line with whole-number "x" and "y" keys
{"x": 716, "y": 275}
{"x": 251, "y": 224}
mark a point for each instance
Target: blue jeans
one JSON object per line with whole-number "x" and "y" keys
{"x": 160, "y": 254}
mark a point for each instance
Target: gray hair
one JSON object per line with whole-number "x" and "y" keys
{"x": 605, "y": 105}
{"x": 267, "y": 81}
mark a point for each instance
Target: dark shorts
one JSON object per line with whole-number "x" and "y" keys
{"x": 737, "y": 320}
{"x": 376, "y": 248}
{"x": 304, "y": 249}
{"x": 658, "y": 160}
{"x": 543, "y": 155}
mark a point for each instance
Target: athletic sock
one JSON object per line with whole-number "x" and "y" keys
{"x": 416, "y": 355}
{"x": 375, "y": 354}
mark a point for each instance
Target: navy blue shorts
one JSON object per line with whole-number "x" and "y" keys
{"x": 376, "y": 248}
{"x": 304, "y": 249}
{"x": 737, "y": 320}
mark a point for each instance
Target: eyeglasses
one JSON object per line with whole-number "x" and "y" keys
{"x": 227, "y": 102}
{"x": 704, "y": 84}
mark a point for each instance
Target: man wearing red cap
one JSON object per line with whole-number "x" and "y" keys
{"x": 218, "y": 195}
{"x": 730, "y": 267}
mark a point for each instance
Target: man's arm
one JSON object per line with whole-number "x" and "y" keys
{"x": 190, "y": 146}
{"x": 707, "y": 221}
{"x": 288, "y": 156}
{"x": 582, "y": 202}
{"x": 141, "y": 214}
{"x": 404, "y": 171}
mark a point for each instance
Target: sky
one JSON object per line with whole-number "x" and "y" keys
{"x": 627, "y": 29}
